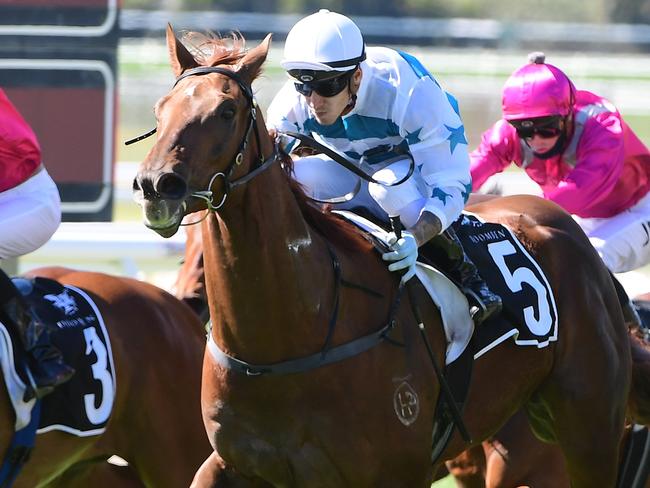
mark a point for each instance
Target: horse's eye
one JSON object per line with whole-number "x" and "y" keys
{"x": 228, "y": 114}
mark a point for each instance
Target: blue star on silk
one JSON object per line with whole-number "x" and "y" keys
{"x": 441, "y": 195}
{"x": 456, "y": 136}
{"x": 468, "y": 190}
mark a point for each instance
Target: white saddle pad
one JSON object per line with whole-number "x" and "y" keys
{"x": 452, "y": 304}
{"x": 14, "y": 384}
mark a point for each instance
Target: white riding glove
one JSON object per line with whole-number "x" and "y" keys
{"x": 404, "y": 254}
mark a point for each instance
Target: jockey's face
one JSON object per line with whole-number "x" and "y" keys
{"x": 540, "y": 144}
{"x": 327, "y": 109}
{"x": 540, "y": 133}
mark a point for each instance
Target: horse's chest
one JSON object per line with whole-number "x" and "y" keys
{"x": 275, "y": 451}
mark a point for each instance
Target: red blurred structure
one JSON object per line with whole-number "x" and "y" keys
{"x": 58, "y": 66}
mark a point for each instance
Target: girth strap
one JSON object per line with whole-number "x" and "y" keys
{"x": 328, "y": 354}
{"x": 307, "y": 363}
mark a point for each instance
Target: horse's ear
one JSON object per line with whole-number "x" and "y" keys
{"x": 179, "y": 56}
{"x": 251, "y": 64}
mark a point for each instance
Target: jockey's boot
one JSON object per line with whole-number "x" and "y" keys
{"x": 483, "y": 303}
{"x": 45, "y": 361}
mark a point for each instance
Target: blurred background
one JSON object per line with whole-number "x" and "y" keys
{"x": 470, "y": 46}
{"x": 86, "y": 74}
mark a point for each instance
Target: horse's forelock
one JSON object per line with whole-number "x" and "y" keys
{"x": 210, "y": 49}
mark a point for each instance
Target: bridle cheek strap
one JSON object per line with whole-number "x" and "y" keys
{"x": 261, "y": 164}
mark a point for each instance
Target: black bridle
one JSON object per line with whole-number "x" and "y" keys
{"x": 261, "y": 163}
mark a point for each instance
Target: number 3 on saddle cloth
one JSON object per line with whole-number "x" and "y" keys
{"x": 81, "y": 406}
{"x": 529, "y": 313}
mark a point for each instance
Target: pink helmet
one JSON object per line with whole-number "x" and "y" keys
{"x": 537, "y": 90}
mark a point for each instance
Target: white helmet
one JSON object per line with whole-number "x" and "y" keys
{"x": 324, "y": 42}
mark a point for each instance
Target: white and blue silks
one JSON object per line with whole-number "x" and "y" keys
{"x": 398, "y": 103}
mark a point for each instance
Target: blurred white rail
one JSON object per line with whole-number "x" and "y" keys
{"x": 480, "y": 30}
{"x": 125, "y": 248}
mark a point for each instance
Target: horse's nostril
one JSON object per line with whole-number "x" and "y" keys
{"x": 170, "y": 185}
{"x": 143, "y": 184}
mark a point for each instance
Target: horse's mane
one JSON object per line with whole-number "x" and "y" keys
{"x": 319, "y": 217}
{"x": 210, "y": 49}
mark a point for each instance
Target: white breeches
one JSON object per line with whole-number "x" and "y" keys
{"x": 622, "y": 241}
{"x": 29, "y": 214}
{"x": 324, "y": 179}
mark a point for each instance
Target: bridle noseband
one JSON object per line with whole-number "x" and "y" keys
{"x": 261, "y": 164}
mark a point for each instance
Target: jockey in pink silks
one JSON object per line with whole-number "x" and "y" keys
{"x": 576, "y": 146}
{"x": 30, "y": 212}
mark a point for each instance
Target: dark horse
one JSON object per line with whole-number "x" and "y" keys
{"x": 286, "y": 281}
{"x": 157, "y": 344}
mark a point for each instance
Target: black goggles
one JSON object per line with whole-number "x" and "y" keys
{"x": 544, "y": 127}
{"x": 325, "y": 88}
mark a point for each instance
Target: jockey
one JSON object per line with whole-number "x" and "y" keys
{"x": 576, "y": 146}
{"x": 29, "y": 214}
{"x": 370, "y": 105}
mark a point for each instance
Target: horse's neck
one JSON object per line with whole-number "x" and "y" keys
{"x": 266, "y": 270}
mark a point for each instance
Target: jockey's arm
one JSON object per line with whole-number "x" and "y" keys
{"x": 426, "y": 228}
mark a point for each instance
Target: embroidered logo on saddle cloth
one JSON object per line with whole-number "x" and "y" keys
{"x": 529, "y": 312}
{"x": 83, "y": 405}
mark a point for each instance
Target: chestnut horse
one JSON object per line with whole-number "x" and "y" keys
{"x": 515, "y": 457}
{"x": 157, "y": 344}
{"x": 293, "y": 290}
{"x": 511, "y": 457}
{"x": 190, "y": 283}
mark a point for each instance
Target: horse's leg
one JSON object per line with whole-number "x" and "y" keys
{"x": 97, "y": 475}
{"x": 468, "y": 468}
{"x": 515, "y": 457}
{"x": 639, "y": 403}
{"x": 587, "y": 400}
{"x": 214, "y": 473}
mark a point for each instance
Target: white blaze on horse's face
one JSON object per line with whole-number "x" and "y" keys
{"x": 194, "y": 120}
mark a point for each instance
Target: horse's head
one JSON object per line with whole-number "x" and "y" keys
{"x": 204, "y": 126}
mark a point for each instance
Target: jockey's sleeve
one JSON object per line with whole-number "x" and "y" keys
{"x": 20, "y": 152}
{"x": 436, "y": 136}
{"x": 494, "y": 153}
{"x": 599, "y": 162}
